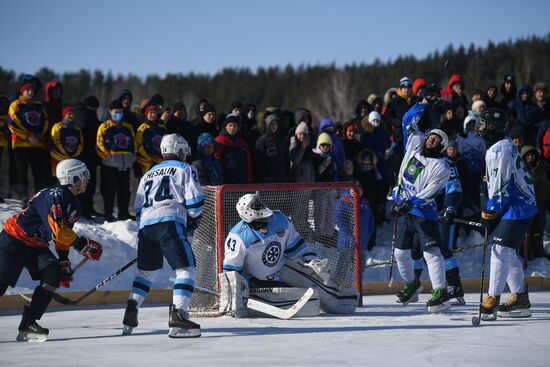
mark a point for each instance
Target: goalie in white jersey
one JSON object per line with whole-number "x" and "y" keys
{"x": 265, "y": 250}
{"x": 422, "y": 175}
{"x": 168, "y": 204}
{"x": 510, "y": 206}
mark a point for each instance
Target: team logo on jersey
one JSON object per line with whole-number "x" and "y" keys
{"x": 33, "y": 118}
{"x": 272, "y": 254}
{"x": 122, "y": 140}
{"x": 70, "y": 144}
{"x": 280, "y": 232}
{"x": 413, "y": 169}
{"x": 56, "y": 191}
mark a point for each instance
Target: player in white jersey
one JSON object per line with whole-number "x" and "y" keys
{"x": 511, "y": 199}
{"x": 265, "y": 250}
{"x": 422, "y": 175}
{"x": 168, "y": 204}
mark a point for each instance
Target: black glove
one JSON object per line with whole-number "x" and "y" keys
{"x": 401, "y": 209}
{"x": 448, "y": 216}
{"x": 193, "y": 223}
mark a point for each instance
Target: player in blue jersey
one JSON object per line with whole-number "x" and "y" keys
{"x": 49, "y": 216}
{"x": 511, "y": 196}
{"x": 168, "y": 205}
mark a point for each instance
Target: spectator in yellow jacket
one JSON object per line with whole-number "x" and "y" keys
{"x": 115, "y": 145}
{"x": 28, "y": 125}
{"x": 148, "y": 139}
{"x": 67, "y": 139}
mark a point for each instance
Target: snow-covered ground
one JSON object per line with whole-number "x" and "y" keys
{"x": 380, "y": 333}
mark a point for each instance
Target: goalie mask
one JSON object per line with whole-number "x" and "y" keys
{"x": 251, "y": 208}
{"x": 490, "y": 124}
{"x": 174, "y": 145}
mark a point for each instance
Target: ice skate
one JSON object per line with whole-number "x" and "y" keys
{"x": 29, "y": 330}
{"x": 458, "y": 294}
{"x": 438, "y": 302}
{"x": 130, "y": 320}
{"x": 409, "y": 293}
{"x": 516, "y": 306}
{"x": 181, "y": 326}
{"x": 489, "y": 308}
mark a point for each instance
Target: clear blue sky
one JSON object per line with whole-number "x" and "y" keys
{"x": 171, "y": 36}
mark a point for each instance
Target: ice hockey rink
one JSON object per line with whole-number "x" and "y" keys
{"x": 381, "y": 333}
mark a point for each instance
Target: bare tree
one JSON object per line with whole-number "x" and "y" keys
{"x": 335, "y": 98}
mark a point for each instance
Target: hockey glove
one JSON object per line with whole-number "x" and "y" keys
{"x": 448, "y": 216}
{"x": 88, "y": 248}
{"x": 401, "y": 210}
{"x": 66, "y": 274}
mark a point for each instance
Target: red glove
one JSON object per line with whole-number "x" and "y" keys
{"x": 90, "y": 249}
{"x": 66, "y": 274}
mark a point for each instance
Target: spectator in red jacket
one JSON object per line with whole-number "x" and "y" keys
{"x": 233, "y": 154}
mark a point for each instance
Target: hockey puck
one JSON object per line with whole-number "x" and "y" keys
{"x": 475, "y": 321}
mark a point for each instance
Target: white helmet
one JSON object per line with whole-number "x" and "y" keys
{"x": 71, "y": 171}
{"x": 251, "y": 207}
{"x": 175, "y": 144}
{"x": 442, "y": 135}
{"x": 374, "y": 118}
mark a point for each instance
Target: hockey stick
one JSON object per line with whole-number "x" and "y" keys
{"x": 78, "y": 266}
{"x": 269, "y": 309}
{"x": 477, "y": 319}
{"x": 392, "y": 258}
{"x": 69, "y": 302}
{"x": 468, "y": 222}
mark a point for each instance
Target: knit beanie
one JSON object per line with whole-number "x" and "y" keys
{"x": 405, "y": 81}
{"x": 324, "y": 138}
{"x": 66, "y": 110}
{"x": 270, "y": 119}
{"x": 91, "y": 101}
{"x": 418, "y": 83}
{"x": 302, "y": 128}
{"x": 150, "y": 107}
{"x": 115, "y": 104}
{"x": 208, "y": 108}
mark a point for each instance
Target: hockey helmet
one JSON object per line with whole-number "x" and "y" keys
{"x": 442, "y": 135}
{"x": 175, "y": 145}
{"x": 491, "y": 122}
{"x": 251, "y": 207}
{"x": 71, "y": 171}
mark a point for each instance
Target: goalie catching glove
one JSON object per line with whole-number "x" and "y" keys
{"x": 88, "y": 248}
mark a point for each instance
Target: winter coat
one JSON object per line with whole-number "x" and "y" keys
{"x": 301, "y": 161}
{"x": 271, "y": 158}
{"x": 209, "y": 169}
{"x": 525, "y": 111}
{"x": 53, "y": 106}
{"x": 337, "y": 148}
{"x": 235, "y": 159}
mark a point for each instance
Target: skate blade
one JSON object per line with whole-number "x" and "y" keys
{"x": 439, "y": 308}
{"x": 31, "y": 337}
{"x": 516, "y": 314}
{"x": 176, "y": 332}
{"x": 127, "y": 330}
{"x": 459, "y": 301}
{"x": 414, "y": 297}
{"x": 488, "y": 316}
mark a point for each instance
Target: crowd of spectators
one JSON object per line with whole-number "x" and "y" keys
{"x": 241, "y": 144}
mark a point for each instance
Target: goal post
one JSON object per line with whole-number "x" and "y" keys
{"x": 326, "y": 215}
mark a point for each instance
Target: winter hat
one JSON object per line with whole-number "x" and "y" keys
{"x": 371, "y": 98}
{"x": 324, "y": 138}
{"x": 157, "y": 99}
{"x": 67, "y": 109}
{"x": 31, "y": 80}
{"x": 509, "y": 78}
{"x": 452, "y": 144}
{"x": 203, "y": 140}
{"x": 405, "y": 81}
{"x": 301, "y": 128}
{"x": 232, "y": 119}
{"x": 150, "y": 107}
{"x": 236, "y": 104}
{"x": 208, "y": 108}
{"x": 178, "y": 106}
{"x": 26, "y": 86}
{"x": 540, "y": 86}
{"x": 528, "y": 148}
{"x": 373, "y": 117}
{"x": 477, "y": 104}
{"x": 115, "y": 104}
{"x": 418, "y": 83}
{"x": 270, "y": 119}
{"x": 91, "y": 101}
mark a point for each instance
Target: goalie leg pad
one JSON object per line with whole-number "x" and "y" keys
{"x": 332, "y": 299}
{"x": 234, "y": 294}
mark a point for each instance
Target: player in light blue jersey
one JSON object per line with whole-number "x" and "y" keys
{"x": 511, "y": 197}
{"x": 168, "y": 204}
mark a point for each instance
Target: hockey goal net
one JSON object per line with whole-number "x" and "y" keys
{"x": 325, "y": 214}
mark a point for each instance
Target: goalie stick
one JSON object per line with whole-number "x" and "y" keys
{"x": 78, "y": 266}
{"x": 272, "y": 310}
{"x": 70, "y": 302}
